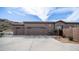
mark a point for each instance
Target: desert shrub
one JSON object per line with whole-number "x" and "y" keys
{"x": 64, "y": 36}
{"x": 70, "y": 38}
{"x": 52, "y": 32}
{"x": 1, "y": 34}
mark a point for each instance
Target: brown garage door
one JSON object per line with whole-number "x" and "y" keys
{"x": 20, "y": 31}
{"x": 37, "y": 31}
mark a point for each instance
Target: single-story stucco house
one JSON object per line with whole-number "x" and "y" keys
{"x": 40, "y": 28}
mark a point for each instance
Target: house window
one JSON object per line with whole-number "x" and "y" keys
{"x": 59, "y": 27}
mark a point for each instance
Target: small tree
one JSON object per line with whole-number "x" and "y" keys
{"x": 3, "y": 26}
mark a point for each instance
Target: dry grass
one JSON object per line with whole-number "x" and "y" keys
{"x": 65, "y": 40}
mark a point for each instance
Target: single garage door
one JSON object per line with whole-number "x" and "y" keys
{"x": 19, "y": 31}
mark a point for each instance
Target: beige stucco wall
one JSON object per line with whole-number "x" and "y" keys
{"x": 68, "y": 32}
{"x": 72, "y": 32}
{"x": 76, "y": 34}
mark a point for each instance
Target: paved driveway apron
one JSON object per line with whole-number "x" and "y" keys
{"x": 35, "y": 43}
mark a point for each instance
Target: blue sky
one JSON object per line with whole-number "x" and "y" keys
{"x": 40, "y": 13}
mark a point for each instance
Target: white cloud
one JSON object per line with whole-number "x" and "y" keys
{"x": 74, "y": 16}
{"x": 14, "y": 12}
{"x": 62, "y": 10}
{"x": 9, "y": 12}
{"x": 41, "y": 12}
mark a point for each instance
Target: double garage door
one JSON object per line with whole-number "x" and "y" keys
{"x": 37, "y": 31}
{"x": 32, "y": 31}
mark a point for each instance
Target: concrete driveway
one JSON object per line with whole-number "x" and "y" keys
{"x": 35, "y": 43}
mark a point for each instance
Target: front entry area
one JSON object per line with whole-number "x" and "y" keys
{"x": 60, "y": 32}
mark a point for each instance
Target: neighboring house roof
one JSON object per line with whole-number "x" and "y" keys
{"x": 67, "y": 22}
{"x": 22, "y": 23}
{"x": 17, "y": 23}
{"x": 39, "y": 22}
